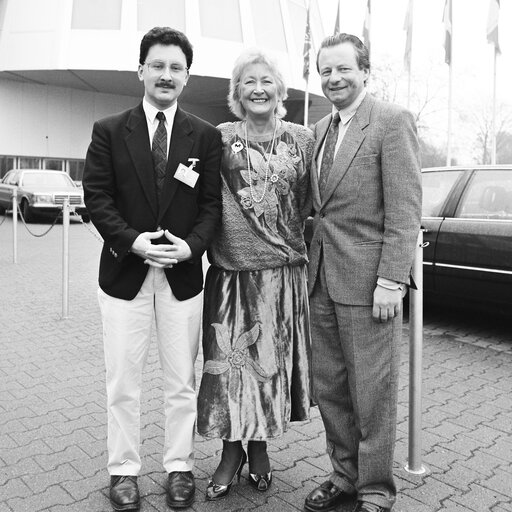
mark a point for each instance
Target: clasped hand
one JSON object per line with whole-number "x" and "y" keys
{"x": 161, "y": 255}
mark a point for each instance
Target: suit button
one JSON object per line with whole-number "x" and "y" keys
{"x": 322, "y": 214}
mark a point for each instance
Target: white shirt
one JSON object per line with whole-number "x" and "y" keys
{"x": 152, "y": 121}
{"x": 346, "y": 116}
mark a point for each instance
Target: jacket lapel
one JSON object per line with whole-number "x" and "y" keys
{"x": 350, "y": 145}
{"x": 137, "y": 142}
{"x": 179, "y": 151}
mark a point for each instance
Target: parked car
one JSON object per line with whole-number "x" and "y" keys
{"x": 41, "y": 192}
{"x": 467, "y": 217}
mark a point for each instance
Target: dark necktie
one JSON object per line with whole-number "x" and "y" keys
{"x": 329, "y": 151}
{"x": 159, "y": 150}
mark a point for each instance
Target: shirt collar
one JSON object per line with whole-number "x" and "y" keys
{"x": 152, "y": 111}
{"x": 346, "y": 114}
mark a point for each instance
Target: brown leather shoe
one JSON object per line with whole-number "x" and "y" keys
{"x": 364, "y": 506}
{"x": 124, "y": 493}
{"x": 326, "y": 497}
{"x": 180, "y": 489}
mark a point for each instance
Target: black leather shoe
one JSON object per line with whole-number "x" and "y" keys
{"x": 364, "y": 506}
{"x": 180, "y": 489}
{"x": 124, "y": 493}
{"x": 326, "y": 497}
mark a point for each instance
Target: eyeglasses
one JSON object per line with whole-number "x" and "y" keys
{"x": 157, "y": 67}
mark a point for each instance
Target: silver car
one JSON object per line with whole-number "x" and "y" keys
{"x": 41, "y": 192}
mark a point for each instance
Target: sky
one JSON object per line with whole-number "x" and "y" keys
{"x": 472, "y": 57}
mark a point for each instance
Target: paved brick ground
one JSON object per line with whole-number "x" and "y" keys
{"x": 52, "y": 415}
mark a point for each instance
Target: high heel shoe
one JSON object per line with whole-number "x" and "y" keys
{"x": 260, "y": 482}
{"x": 218, "y": 491}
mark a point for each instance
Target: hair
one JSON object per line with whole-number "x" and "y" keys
{"x": 165, "y": 36}
{"x": 362, "y": 54}
{"x": 245, "y": 60}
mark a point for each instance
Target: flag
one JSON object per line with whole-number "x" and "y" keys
{"x": 366, "y": 26}
{"x": 307, "y": 47}
{"x": 447, "y": 18}
{"x": 492, "y": 24}
{"x": 408, "y": 38}
{"x": 337, "y": 23}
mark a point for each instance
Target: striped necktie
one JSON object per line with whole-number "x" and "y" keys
{"x": 159, "y": 150}
{"x": 329, "y": 151}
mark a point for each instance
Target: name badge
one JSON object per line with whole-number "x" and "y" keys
{"x": 186, "y": 175}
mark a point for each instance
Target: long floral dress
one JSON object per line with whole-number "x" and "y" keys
{"x": 256, "y": 337}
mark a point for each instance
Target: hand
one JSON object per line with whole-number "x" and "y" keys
{"x": 165, "y": 255}
{"x": 143, "y": 242}
{"x": 386, "y": 303}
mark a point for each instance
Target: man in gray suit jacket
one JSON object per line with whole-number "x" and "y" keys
{"x": 367, "y": 200}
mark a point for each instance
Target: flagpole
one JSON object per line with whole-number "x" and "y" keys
{"x": 305, "y": 72}
{"x": 449, "y": 135}
{"x": 306, "y": 104}
{"x": 448, "y": 21}
{"x": 493, "y": 133}
{"x": 409, "y": 56}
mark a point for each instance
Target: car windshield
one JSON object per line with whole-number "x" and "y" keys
{"x": 46, "y": 179}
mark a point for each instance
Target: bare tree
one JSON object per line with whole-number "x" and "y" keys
{"x": 483, "y": 121}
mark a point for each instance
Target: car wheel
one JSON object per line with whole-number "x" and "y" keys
{"x": 26, "y": 211}
{"x": 2, "y": 210}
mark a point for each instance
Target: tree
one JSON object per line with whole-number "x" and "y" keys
{"x": 483, "y": 121}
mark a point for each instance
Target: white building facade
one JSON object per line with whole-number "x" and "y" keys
{"x": 66, "y": 63}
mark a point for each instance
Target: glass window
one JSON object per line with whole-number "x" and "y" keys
{"x": 45, "y": 179}
{"x": 96, "y": 14}
{"x": 158, "y": 13}
{"x": 53, "y": 164}
{"x": 268, "y": 24}
{"x": 25, "y": 162}
{"x": 488, "y": 196}
{"x": 226, "y": 10}
{"x": 6, "y": 164}
{"x": 436, "y": 187}
{"x": 76, "y": 170}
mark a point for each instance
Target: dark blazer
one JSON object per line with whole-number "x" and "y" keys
{"x": 367, "y": 223}
{"x": 121, "y": 198}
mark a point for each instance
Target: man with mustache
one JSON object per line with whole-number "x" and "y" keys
{"x": 152, "y": 189}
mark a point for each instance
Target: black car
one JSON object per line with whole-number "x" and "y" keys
{"x": 467, "y": 217}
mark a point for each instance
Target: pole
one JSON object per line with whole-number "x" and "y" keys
{"x": 415, "y": 362}
{"x": 65, "y": 258}
{"x": 449, "y": 135}
{"x": 14, "y": 225}
{"x": 493, "y": 133}
{"x": 306, "y": 104}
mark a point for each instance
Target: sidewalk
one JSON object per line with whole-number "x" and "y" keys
{"x": 53, "y": 419}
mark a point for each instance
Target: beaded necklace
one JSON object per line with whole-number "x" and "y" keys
{"x": 253, "y": 195}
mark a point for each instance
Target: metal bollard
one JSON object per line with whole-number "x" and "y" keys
{"x": 15, "y": 225}
{"x": 415, "y": 363}
{"x": 65, "y": 258}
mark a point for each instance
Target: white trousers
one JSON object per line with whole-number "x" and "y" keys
{"x": 126, "y": 337}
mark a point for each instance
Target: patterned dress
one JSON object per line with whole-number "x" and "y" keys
{"x": 256, "y": 338}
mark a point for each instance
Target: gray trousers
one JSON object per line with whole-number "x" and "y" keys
{"x": 355, "y": 381}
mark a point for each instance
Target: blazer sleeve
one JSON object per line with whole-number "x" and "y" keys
{"x": 401, "y": 182}
{"x": 209, "y": 200}
{"x": 100, "y": 193}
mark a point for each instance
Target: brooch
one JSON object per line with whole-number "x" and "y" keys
{"x": 237, "y": 146}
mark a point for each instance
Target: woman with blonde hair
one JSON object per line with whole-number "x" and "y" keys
{"x": 256, "y": 314}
